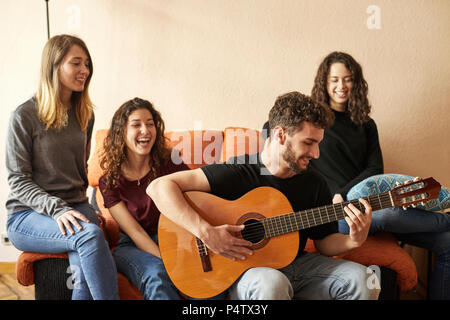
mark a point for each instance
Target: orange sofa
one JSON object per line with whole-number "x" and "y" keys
{"x": 198, "y": 148}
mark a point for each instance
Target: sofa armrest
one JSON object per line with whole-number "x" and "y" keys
{"x": 25, "y": 262}
{"x": 25, "y": 265}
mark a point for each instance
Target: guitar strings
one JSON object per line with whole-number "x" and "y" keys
{"x": 254, "y": 232}
{"x": 274, "y": 226}
{"x": 257, "y": 230}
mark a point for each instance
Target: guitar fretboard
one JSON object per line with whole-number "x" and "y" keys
{"x": 300, "y": 220}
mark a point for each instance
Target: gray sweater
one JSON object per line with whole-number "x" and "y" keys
{"x": 47, "y": 169}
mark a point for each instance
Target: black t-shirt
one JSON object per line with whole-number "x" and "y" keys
{"x": 240, "y": 175}
{"x": 349, "y": 153}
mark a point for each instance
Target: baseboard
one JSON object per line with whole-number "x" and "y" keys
{"x": 7, "y": 267}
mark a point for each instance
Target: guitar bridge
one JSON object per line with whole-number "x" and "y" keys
{"x": 204, "y": 255}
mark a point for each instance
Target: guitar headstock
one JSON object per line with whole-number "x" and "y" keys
{"x": 416, "y": 191}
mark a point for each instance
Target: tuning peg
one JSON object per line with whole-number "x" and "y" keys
{"x": 416, "y": 179}
{"x": 422, "y": 203}
{"x": 397, "y": 183}
{"x": 413, "y": 205}
{"x": 404, "y": 207}
{"x": 408, "y": 181}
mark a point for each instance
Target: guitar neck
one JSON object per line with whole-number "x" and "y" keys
{"x": 300, "y": 220}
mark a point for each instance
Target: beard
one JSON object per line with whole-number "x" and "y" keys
{"x": 289, "y": 157}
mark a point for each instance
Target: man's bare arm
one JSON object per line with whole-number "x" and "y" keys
{"x": 167, "y": 193}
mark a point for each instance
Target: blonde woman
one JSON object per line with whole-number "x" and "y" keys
{"x": 47, "y": 148}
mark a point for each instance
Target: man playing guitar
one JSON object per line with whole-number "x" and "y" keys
{"x": 297, "y": 126}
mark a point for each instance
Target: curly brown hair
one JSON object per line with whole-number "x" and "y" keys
{"x": 114, "y": 154}
{"x": 291, "y": 109}
{"x": 358, "y": 104}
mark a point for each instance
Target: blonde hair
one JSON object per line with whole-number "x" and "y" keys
{"x": 51, "y": 111}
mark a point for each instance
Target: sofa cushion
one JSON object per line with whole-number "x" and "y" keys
{"x": 94, "y": 170}
{"x": 127, "y": 290}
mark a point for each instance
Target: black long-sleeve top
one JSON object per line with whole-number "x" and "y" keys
{"x": 349, "y": 153}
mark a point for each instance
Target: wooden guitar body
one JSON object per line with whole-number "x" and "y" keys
{"x": 179, "y": 249}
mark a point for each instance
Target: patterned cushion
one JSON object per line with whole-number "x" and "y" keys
{"x": 385, "y": 182}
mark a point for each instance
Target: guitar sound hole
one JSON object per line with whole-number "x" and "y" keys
{"x": 253, "y": 231}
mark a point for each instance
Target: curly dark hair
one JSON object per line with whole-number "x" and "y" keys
{"x": 291, "y": 109}
{"x": 358, "y": 104}
{"x": 114, "y": 154}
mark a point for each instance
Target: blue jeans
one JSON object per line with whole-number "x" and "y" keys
{"x": 421, "y": 228}
{"x": 311, "y": 276}
{"x": 92, "y": 266}
{"x": 144, "y": 270}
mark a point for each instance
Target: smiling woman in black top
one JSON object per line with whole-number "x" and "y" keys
{"x": 350, "y": 150}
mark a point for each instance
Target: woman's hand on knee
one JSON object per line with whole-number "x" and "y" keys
{"x": 69, "y": 218}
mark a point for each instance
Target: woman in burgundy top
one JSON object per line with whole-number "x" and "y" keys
{"x": 135, "y": 154}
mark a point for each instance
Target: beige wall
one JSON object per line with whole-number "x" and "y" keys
{"x": 223, "y": 62}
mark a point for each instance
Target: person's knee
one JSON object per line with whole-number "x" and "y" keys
{"x": 441, "y": 246}
{"x": 263, "y": 284}
{"x": 156, "y": 272}
{"x": 385, "y": 219}
{"x": 90, "y": 234}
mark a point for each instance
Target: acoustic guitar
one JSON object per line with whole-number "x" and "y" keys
{"x": 270, "y": 226}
